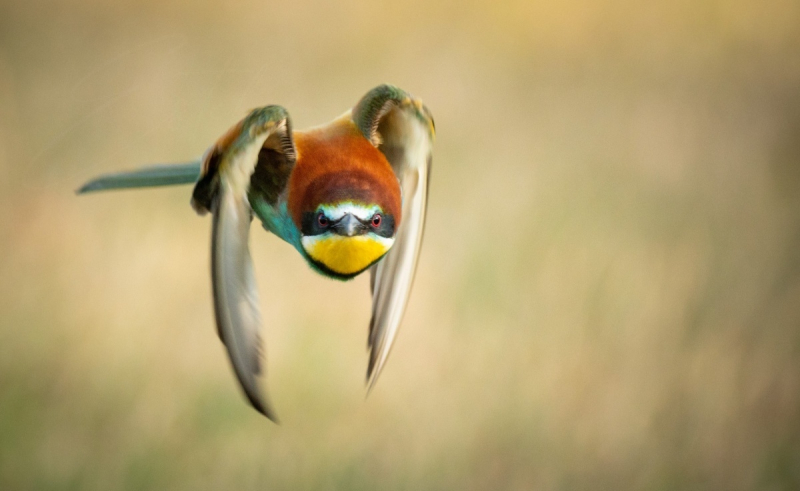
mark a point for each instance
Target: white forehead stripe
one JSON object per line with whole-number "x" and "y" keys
{"x": 359, "y": 211}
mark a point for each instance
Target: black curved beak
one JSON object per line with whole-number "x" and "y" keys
{"x": 349, "y": 226}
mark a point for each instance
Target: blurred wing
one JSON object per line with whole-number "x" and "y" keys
{"x": 236, "y": 294}
{"x": 235, "y": 291}
{"x": 403, "y": 130}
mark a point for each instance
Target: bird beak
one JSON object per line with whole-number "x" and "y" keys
{"x": 349, "y": 226}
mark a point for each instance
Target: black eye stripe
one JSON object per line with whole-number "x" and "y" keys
{"x": 385, "y": 228}
{"x": 310, "y": 225}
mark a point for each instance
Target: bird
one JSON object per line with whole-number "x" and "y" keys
{"x": 350, "y": 196}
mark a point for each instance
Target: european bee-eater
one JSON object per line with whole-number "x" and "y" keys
{"x": 349, "y": 196}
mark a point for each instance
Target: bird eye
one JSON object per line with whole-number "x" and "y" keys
{"x": 322, "y": 220}
{"x": 376, "y": 220}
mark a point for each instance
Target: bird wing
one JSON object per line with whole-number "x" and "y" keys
{"x": 402, "y": 128}
{"x": 235, "y": 292}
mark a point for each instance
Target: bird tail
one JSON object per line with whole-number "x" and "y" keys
{"x": 156, "y": 175}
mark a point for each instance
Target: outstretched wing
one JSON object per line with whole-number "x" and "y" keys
{"x": 223, "y": 190}
{"x": 402, "y": 128}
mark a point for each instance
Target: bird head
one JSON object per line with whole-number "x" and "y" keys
{"x": 346, "y": 201}
{"x": 346, "y": 237}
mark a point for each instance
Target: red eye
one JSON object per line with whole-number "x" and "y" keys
{"x": 376, "y": 220}
{"x": 322, "y": 220}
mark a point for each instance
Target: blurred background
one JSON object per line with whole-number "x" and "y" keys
{"x": 608, "y": 295}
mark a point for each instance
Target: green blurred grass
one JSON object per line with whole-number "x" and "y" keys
{"x": 608, "y": 298}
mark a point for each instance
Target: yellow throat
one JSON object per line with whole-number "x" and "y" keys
{"x": 346, "y": 255}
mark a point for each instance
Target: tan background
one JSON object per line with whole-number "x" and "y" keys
{"x": 608, "y": 296}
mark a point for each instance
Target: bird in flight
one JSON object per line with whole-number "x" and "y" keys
{"x": 350, "y": 196}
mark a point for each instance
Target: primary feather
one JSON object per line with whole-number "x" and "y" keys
{"x": 235, "y": 292}
{"x": 404, "y": 132}
{"x": 229, "y": 169}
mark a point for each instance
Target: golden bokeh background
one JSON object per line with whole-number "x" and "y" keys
{"x": 608, "y": 295}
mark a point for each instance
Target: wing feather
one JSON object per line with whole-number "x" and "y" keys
{"x": 405, "y": 133}
{"x": 236, "y": 293}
